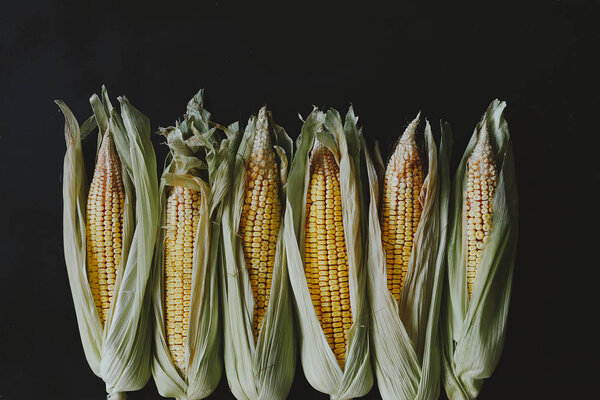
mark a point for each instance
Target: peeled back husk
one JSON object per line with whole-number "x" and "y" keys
{"x": 405, "y": 333}
{"x": 475, "y": 327}
{"x": 320, "y": 365}
{"x": 119, "y": 352}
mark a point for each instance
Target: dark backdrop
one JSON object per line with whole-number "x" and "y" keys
{"x": 450, "y": 61}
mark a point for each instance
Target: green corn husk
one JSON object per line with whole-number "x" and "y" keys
{"x": 119, "y": 353}
{"x": 265, "y": 369}
{"x": 405, "y": 334}
{"x": 195, "y": 162}
{"x": 476, "y": 327}
{"x": 318, "y": 360}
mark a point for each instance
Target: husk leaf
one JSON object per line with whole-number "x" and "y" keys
{"x": 475, "y": 328}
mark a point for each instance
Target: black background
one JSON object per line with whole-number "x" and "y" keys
{"x": 450, "y": 61}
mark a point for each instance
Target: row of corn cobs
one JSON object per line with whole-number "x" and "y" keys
{"x": 245, "y": 251}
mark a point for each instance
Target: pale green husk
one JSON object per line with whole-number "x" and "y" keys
{"x": 318, "y": 360}
{"x": 119, "y": 353}
{"x": 405, "y": 334}
{"x": 475, "y": 328}
{"x": 195, "y": 162}
{"x": 264, "y": 370}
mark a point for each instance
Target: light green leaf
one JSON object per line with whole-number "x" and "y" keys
{"x": 88, "y": 127}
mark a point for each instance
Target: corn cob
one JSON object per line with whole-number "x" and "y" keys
{"x": 105, "y": 226}
{"x": 182, "y": 223}
{"x": 187, "y": 360}
{"x": 259, "y": 337}
{"x": 259, "y": 224}
{"x": 412, "y": 218}
{"x": 401, "y": 209}
{"x": 480, "y": 257}
{"x": 325, "y": 252}
{"x": 481, "y": 186}
{"x": 118, "y": 212}
{"x": 326, "y": 259}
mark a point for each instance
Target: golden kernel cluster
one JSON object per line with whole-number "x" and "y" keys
{"x": 105, "y": 227}
{"x": 259, "y": 224}
{"x": 182, "y": 219}
{"x": 481, "y": 185}
{"x": 325, "y": 253}
{"x": 401, "y": 210}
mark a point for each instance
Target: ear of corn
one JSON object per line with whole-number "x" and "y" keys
{"x": 183, "y": 215}
{"x": 407, "y": 235}
{"x": 325, "y": 256}
{"x": 259, "y": 325}
{"x": 109, "y": 240}
{"x": 187, "y": 357}
{"x": 481, "y": 253}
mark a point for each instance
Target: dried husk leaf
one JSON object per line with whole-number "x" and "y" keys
{"x": 265, "y": 369}
{"x": 193, "y": 163}
{"x": 119, "y": 352}
{"x": 404, "y": 334}
{"x": 475, "y": 328}
{"x": 318, "y": 360}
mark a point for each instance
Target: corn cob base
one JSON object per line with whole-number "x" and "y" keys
{"x": 117, "y": 396}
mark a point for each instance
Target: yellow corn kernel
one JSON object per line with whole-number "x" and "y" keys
{"x": 479, "y": 194}
{"x": 325, "y": 253}
{"x": 105, "y": 226}
{"x": 401, "y": 209}
{"x": 259, "y": 224}
{"x": 182, "y": 218}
